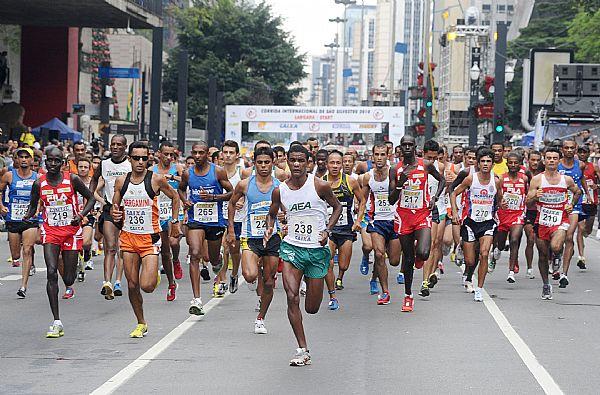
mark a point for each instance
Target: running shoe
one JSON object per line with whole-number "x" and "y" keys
{"x": 516, "y": 268}
{"x": 204, "y": 273}
{"x": 22, "y": 293}
{"x": 563, "y": 282}
{"x": 333, "y": 304}
{"x": 215, "y": 292}
{"x": 221, "y": 290}
{"x": 257, "y": 307}
{"x": 478, "y": 297}
{"x": 408, "y": 304}
{"x": 140, "y": 331}
{"x": 459, "y": 254}
{"x": 32, "y": 270}
{"x": 252, "y": 286}
{"x": 259, "y": 327}
{"x": 383, "y": 299}
{"x": 453, "y": 258}
{"x": 171, "y": 292}
{"x": 162, "y": 269}
{"x": 16, "y": 263}
{"x": 118, "y": 291}
{"x": 375, "y": 286}
{"x": 464, "y": 280}
{"x": 432, "y": 280}
{"x": 89, "y": 265}
{"x": 581, "y": 263}
{"x": 445, "y": 249}
{"x": 547, "y": 292}
{"x": 302, "y": 288}
{"x": 469, "y": 287}
{"x": 530, "y": 274}
{"x": 556, "y": 261}
{"x": 218, "y": 266}
{"x": 69, "y": 293}
{"x": 441, "y": 267}
{"x": 177, "y": 270}
{"x": 556, "y": 275}
{"x": 81, "y": 276}
{"x": 157, "y": 278}
{"x": 419, "y": 263}
{"x": 496, "y": 254}
{"x": 196, "y": 307}
{"x": 492, "y": 265}
{"x": 233, "y": 284}
{"x": 364, "y": 265}
{"x": 107, "y": 290}
{"x": 511, "y": 277}
{"x": 399, "y": 278}
{"x": 56, "y": 331}
{"x": 339, "y": 285}
{"x": 301, "y": 358}
{"x": 424, "y": 292}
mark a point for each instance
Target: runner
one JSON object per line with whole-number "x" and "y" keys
{"x": 535, "y": 167}
{"x": 20, "y": 233}
{"x": 84, "y": 166}
{"x": 589, "y": 207}
{"x": 381, "y": 227}
{"x": 343, "y": 234}
{"x": 61, "y": 230}
{"x": 304, "y": 249}
{"x": 202, "y": 190}
{"x": 110, "y": 169}
{"x": 548, "y": 191}
{"x": 255, "y": 192}
{"x": 479, "y": 225}
{"x": 511, "y": 215}
{"x": 136, "y": 206}
{"x": 499, "y": 167}
{"x": 169, "y": 250}
{"x": 321, "y": 161}
{"x": 408, "y": 187}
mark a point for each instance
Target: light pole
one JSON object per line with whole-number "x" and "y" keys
{"x": 346, "y": 3}
{"x": 474, "y": 74}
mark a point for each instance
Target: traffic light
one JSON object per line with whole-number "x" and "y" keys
{"x": 429, "y": 103}
{"x": 499, "y": 124}
{"x": 145, "y": 97}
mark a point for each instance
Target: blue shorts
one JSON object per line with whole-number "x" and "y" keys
{"x": 237, "y": 227}
{"x": 383, "y": 228}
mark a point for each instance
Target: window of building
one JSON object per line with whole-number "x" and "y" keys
{"x": 486, "y": 8}
{"x": 510, "y": 8}
{"x": 501, "y": 8}
{"x": 371, "y": 33}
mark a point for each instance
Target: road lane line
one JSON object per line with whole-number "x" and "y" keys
{"x": 539, "y": 372}
{"x": 15, "y": 277}
{"x": 143, "y": 360}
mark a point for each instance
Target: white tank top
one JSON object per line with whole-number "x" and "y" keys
{"x": 234, "y": 180}
{"x": 110, "y": 172}
{"x": 381, "y": 210}
{"x": 433, "y": 187}
{"x": 481, "y": 199}
{"x": 141, "y": 214}
{"x": 306, "y": 214}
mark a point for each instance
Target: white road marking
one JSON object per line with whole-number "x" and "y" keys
{"x": 14, "y": 277}
{"x": 112, "y": 384}
{"x": 539, "y": 372}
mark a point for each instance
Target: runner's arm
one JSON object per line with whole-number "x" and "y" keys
{"x": 5, "y": 180}
{"x": 360, "y": 196}
{"x": 182, "y": 190}
{"x": 439, "y": 177}
{"x": 84, "y": 191}
{"x": 238, "y": 193}
{"x": 115, "y": 211}
{"x": 574, "y": 189}
{"x": 225, "y": 183}
{"x": 97, "y": 195}
{"x": 458, "y": 180}
{"x": 464, "y": 185}
{"x": 273, "y": 210}
{"x": 532, "y": 193}
{"x": 393, "y": 190}
{"x": 95, "y": 178}
{"x": 164, "y": 187}
{"x": 499, "y": 192}
{"x": 584, "y": 186}
{"x": 33, "y": 203}
{"x": 326, "y": 193}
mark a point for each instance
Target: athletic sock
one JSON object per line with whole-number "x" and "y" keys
{"x": 57, "y": 322}
{"x": 87, "y": 254}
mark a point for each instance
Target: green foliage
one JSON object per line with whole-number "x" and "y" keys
{"x": 584, "y": 35}
{"x": 244, "y": 47}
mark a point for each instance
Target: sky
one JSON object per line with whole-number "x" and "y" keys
{"x": 308, "y": 21}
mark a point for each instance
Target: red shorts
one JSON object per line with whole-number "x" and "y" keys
{"x": 508, "y": 218}
{"x": 407, "y": 222}
{"x": 69, "y": 238}
{"x": 546, "y": 232}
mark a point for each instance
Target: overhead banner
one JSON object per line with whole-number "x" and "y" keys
{"x": 315, "y": 127}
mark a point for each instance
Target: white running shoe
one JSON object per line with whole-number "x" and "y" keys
{"x": 303, "y": 288}
{"x": 196, "y": 307}
{"x": 253, "y": 285}
{"x": 31, "y": 270}
{"x": 89, "y": 265}
{"x": 301, "y": 358}
{"x": 497, "y": 253}
{"x": 459, "y": 254}
{"x": 478, "y": 297}
{"x": 530, "y": 274}
{"x": 469, "y": 287}
{"x": 259, "y": 327}
{"x": 511, "y": 277}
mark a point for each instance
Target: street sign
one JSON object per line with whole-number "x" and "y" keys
{"x": 118, "y": 72}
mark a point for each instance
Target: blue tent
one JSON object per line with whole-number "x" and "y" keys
{"x": 527, "y": 140}
{"x": 66, "y": 133}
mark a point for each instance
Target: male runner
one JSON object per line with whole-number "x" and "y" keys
{"x": 499, "y": 167}
{"x": 280, "y": 160}
{"x": 535, "y": 167}
{"x": 511, "y": 216}
{"x": 381, "y": 227}
{"x": 589, "y": 207}
{"x": 256, "y": 194}
{"x": 80, "y": 152}
{"x": 84, "y": 166}
{"x": 61, "y": 230}
{"x": 202, "y": 190}
{"x": 321, "y": 160}
{"x": 169, "y": 251}
{"x": 135, "y": 204}
{"x": 304, "y": 250}
{"x": 548, "y": 191}
{"x": 20, "y": 233}
{"x": 408, "y": 187}
{"x": 484, "y": 191}
{"x": 343, "y": 234}
{"x": 110, "y": 169}
{"x": 573, "y": 168}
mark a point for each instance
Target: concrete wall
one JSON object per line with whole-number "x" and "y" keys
{"x": 10, "y": 41}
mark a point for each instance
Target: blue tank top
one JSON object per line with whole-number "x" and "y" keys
{"x": 173, "y": 171}
{"x": 576, "y": 174}
{"x": 207, "y": 213}
{"x": 369, "y": 164}
{"x": 257, "y": 208}
{"x": 19, "y": 195}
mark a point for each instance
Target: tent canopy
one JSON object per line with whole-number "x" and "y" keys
{"x": 66, "y": 133}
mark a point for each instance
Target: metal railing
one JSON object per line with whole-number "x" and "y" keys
{"x": 153, "y": 6}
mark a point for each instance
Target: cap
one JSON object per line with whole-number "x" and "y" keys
{"x": 28, "y": 150}
{"x": 584, "y": 148}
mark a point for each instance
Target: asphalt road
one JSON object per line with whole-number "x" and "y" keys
{"x": 514, "y": 342}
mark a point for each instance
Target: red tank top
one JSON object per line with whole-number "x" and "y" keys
{"x": 551, "y": 205}
{"x": 514, "y": 192}
{"x": 591, "y": 178}
{"x": 60, "y": 205}
{"x": 415, "y": 194}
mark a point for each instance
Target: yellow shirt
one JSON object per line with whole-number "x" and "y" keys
{"x": 500, "y": 168}
{"x": 27, "y": 138}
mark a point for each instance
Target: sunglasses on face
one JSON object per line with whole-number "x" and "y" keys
{"x": 137, "y": 158}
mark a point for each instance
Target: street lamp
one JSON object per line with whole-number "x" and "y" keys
{"x": 509, "y": 73}
{"x": 475, "y": 72}
{"x": 474, "y": 75}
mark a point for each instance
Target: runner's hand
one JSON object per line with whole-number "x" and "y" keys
{"x": 187, "y": 204}
{"x": 455, "y": 220}
{"x": 432, "y": 203}
{"x": 240, "y": 204}
{"x": 324, "y": 237}
{"x": 85, "y": 221}
{"x": 568, "y": 208}
{"x": 267, "y": 236}
{"x": 77, "y": 220}
{"x": 230, "y": 238}
{"x": 116, "y": 213}
{"x": 175, "y": 231}
{"x": 503, "y": 204}
{"x": 204, "y": 195}
{"x": 538, "y": 193}
{"x": 3, "y": 210}
{"x": 356, "y": 226}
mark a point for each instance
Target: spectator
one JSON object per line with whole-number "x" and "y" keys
{"x": 27, "y": 137}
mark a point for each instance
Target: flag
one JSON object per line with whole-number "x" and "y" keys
{"x": 130, "y": 104}
{"x": 539, "y": 131}
{"x": 401, "y": 48}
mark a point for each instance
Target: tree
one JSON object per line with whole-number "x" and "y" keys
{"x": 244, "y": 47}
{"x": 584, "y": 35}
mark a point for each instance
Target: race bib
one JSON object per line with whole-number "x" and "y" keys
{"x": 258, "y": 225}
{"x": 18, "y": 211}
{"x": 343, "y": 220}
{"x": 303, "y": 228}
{"x": 382, "y": 204}
{"x": 138, "y": 219}
{"x": 60, "y": 215}
{"x": 550, "y": 217}
{"x": 481, "y": 212}
{"x": 206, "y": 212}
{"x": 165, "y": 210}
{"x": 513, "y": 201}
{"x": 411, "y": 199}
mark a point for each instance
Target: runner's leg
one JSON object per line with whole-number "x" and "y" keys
{"x": 29, "y": 238}
{"x": 165, "y": 255}
{"x": 485, "y": 243}
{"x": 51, "y": 252}
{"x": 131, "y": 263}
{"x": 382, "y": 271}
{"x": 14, "y": 243}
{"x": 344, "y": 257}
{"x": 530, "y": 234}
{"x": 291, "y": 284}
{"x": 516, "y": 232}
{"x": 195, "y": 240}
{"x": 111, "y": 240}
{"x": 268, "y": 274}
{"x": 569, "y": 244}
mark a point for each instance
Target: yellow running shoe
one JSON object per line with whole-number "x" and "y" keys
{"x": 158, "y": 278}
{"x": 140, "y": 331}
{"x": 56, "y": 331}
{"x": 216, "y": 290}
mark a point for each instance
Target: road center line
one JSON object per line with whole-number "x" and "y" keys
{"x": 539, "y": 372}
{"x": 130, "y": 370}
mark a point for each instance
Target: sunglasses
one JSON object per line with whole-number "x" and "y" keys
{"x": 138, "y": 158}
